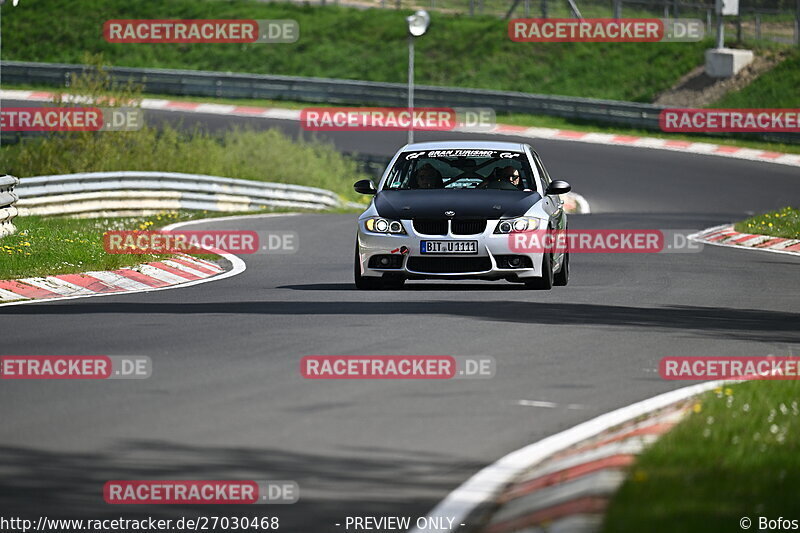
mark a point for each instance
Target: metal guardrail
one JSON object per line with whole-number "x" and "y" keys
{"x": 134, "y": 192}
{"x": 8, "y": 209}
{"x": 335, "y": 91}
{"x": 356, "y": 92}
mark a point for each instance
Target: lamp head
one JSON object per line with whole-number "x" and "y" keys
{"x": 418, "y": 23}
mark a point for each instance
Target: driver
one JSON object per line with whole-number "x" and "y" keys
{"x": 428, "y": 177}
{"x": 511, "y": 175}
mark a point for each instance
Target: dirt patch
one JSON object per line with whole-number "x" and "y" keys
{"x": 696, "y": 89}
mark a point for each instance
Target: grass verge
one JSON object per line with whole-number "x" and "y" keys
{"x": 737, "y": 455}
{"x": 781, "y": 223}
{"x": 46, "y": 246}
{"x": 368, "y": 44}
{"x": 777, "y": 88}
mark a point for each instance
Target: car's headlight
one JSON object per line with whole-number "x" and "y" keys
{"x": 384, "y": 225}
{"x": 514, "y": 225}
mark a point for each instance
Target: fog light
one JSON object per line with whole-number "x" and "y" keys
{"x": 384, "y": 261}
{"x": 514, "y": 262}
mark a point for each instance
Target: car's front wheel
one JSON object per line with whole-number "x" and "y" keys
{"x": 362, "y": 282}
{"x": 562, "y": 276}
{"x": 545, "y": 283}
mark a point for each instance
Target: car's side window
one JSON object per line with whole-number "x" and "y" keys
{"x": 541, "y": 169}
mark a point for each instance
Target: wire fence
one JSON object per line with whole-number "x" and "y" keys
{"x": 769, "y": 20}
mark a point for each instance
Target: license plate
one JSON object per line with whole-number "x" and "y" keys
{"x": 448, "y": 247}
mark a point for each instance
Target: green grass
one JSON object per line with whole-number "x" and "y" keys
{"x": 255, "y": 155}
{"x": 58, "y": 245}
{"x": 782, "y": 223}
{"x": 738, "y": 456}
{"x": 340, "y": 42}
{"x": 779, "y": 88}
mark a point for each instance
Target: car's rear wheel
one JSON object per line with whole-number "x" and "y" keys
{"x": 561, "y": 277}
{"x": 545, "y": 283}
{"x": 362, "y": 282}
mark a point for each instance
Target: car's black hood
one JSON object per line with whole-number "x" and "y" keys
{"x": 466, "y": 203}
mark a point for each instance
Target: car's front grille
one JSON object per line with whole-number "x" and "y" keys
{"x": 468, "y": 226}
{"x": 428, "y": 226}
{"x": 449, "y": 265}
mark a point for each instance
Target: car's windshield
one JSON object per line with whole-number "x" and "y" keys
{"x": 461, "y": 169}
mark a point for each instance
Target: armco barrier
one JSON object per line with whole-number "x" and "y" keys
{"x": 8, "y": 209}
{"x": 355, "y": 92}
{"x": 135, "y": 192}
{"x": 335, "y": 91}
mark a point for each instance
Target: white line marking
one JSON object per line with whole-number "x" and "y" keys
{"x": 115, "y": 280}
{"x": 185, "y": 268}
{"x": 487, "y": 483}
{"x": 58, "y": 286}
{"x": 162, "y": 275}
{"x": 8, "y": 295}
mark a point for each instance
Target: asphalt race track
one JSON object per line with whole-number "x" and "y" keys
{"x": 226, "y": 399}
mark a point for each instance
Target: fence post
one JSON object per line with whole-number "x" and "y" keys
{"x": 708, "y": 20}
{"x": 738, "y": 28}
{"x": 544, "y": 9}
{"x": 527, "y": 8}
{"x": 758, "y": 26}
{"x": 471, "y": 8}
{"x": 617, "y": 9}
{"x": 797, "y": 24}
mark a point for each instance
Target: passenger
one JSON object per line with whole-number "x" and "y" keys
{"x": 428, "y": 177}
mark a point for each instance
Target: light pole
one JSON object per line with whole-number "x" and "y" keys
{"x": 417, "y": 26}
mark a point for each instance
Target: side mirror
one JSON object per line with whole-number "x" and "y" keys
{"x": 365, "y": 187}
{"x": 558, "y": 187}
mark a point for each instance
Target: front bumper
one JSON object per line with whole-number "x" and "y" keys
{"x": 489, "y": 263}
